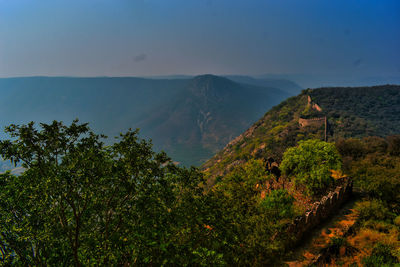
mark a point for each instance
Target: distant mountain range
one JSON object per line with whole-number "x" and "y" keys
{"x": 189, "y": 117}
{"x": 350, "y": 112}
{"x": 293, "y": 82}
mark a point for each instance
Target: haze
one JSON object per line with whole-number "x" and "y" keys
{"x": 159, "y": 37}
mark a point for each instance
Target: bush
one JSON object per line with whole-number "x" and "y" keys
{"x": 372, "y": 210}
{"x": 396, "y": 221}
{"x": 379, "y": 177}
{"x": 381, "y": 256}
{"x": 310, "y": 164}
{"x": 278, "y": 204}
{"x": 351, "y": 147}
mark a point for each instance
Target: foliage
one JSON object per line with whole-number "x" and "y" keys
{"x": 310, "y": 164}
{"x": 278, "y": 204}
{"x": 361, "y": 111}
{"x": 381, "y": 256}
{"x": 396, "y": 221}
{"x": 82, "y": 203}
{"x": 376, "y": 168}
{"x": 372, "y": 209}
{"x": 351, "y": 112}
{"x": 250, "y": 231}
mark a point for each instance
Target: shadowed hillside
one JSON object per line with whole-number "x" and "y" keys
{"x": 209, "y": 113}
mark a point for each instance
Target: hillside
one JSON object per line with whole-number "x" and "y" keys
{"x": 204, "y": 117}
{"x": 189, "y": 118}
{"x": 350, "y": 112}
{"x": 283, "y": 84}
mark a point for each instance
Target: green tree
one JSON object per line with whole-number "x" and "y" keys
{"x": 278, "y": 204}
{"x": 80, "y": 202}
{"x": 245, "y": 229}
{"x": 310, "y": 164}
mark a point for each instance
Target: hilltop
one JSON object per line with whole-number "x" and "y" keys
{"x": 350, "y": 112}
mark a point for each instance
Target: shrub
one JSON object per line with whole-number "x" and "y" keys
{"x": 310, "y": 164}
{"x": 381, "y": 256}
{"x": 278, "y": 204}
{"x": 372, "y": 210}
{"x": 396, "y": 221}
{"x": 336, "y": 243}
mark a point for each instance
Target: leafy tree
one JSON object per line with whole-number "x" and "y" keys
{"x": 80, "y": 202}
{"x": 249, "y": 232}
{"x": 310, "y": 164}
{"x": 351, "y": 147}
{"x": 278, "y": 204}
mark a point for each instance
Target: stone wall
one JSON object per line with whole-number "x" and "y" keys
{"x": 322, "y": 209}
{"x": 311, "y": 122}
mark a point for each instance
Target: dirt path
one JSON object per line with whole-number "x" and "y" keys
{"x": 311, "y": 245}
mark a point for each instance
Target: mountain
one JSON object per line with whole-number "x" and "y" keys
{"x": 277, "y": 82}
{"x": 333, "y": 79}
{"x": 284, "y": 84}
{"x": 349, "y": 112}
{"x": 207, "y": 115}
{"x": 189, "y": 118}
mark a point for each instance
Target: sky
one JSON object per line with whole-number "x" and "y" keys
{"x": 164, "y": 37}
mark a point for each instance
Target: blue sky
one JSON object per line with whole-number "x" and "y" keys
{"x": 161, "y": 37}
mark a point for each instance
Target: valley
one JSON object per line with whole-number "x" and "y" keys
{"x": 199, "y": 114}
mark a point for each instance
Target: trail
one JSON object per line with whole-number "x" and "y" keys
{"x": 310, "y": 246}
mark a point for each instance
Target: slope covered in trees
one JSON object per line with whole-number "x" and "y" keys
{"x": 350, "y": 112}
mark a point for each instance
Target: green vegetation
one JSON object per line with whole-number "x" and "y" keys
{"x": 381, "y": 256}
{"x": 310, "y": 164}
{"x": 351, "y": 112}
{"x": 374, "y": 163}
{"x": 82, "y": 203}
{"x": 360, "y": 111}
{"x": 250, "y": 230}
{"x": 279, "y": 204}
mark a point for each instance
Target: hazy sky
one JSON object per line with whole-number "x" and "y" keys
{"x": 160, "y": 37}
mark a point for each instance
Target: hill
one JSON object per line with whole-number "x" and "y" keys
{"x": 284, "y": 84}
{"x": 350, "y": 112}
{"x": 208, "y": 114}
{"x": 189, "y": 118}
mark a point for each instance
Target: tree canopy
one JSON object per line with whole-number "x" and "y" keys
{"x": 310, "y": 163}
{"x": 80, "y": 202}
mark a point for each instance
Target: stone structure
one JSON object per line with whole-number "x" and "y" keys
{"x": 318, "y": 121}
{"x": 314, "y": 106}
{"x": 322, "y": 209}
{"x": 312, "y": 122}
